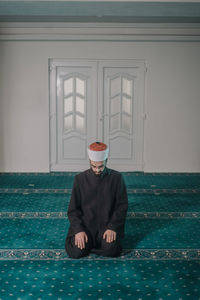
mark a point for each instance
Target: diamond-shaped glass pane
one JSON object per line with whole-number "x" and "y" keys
{"x": 80, "y": 105}
{"x": 126, "y": 122}
{"x": 127, "y": 86}
{"x": 126, "y": 105}
{"x": 115, "y": 105}
{"x": 68, "y": 86}
{"x": 114, "y": 122}
{"x": 79, "y": 123}
{"x": 80, "y": 86}
{"x": 68, "y": 122}
{"x": 115, "y": 85}
{"x": 68, "y": 105}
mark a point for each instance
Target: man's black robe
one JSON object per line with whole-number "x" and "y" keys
{"x": 98, "y": 203}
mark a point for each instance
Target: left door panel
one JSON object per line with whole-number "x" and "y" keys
{"x": 73, "y": 108}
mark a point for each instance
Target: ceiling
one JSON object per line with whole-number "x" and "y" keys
{"x": 99, "y": 11}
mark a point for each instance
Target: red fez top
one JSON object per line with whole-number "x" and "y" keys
{"x": 97, "y": 146}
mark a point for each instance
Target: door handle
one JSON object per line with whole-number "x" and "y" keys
{"x": 101, "y": 116}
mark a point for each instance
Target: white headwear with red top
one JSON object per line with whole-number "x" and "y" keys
{"x": 98, "y": 151}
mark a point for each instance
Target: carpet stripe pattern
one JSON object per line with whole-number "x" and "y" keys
{"x": 161, "y": 248}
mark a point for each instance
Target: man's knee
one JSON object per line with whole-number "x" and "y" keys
{"x": 112, "y": 249}
{"x": 73, "y": 251}
{"x": 77, "y": 253}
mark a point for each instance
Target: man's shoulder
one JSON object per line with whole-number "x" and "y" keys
{"x": 82, "y": 174}
{"x": 114, "y": 173}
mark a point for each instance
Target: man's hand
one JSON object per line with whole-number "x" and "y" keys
{"x": 80, "y": 239}
{"x": 109, "y": 236}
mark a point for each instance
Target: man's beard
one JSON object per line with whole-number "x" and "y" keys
{"x": 97, "y": 174}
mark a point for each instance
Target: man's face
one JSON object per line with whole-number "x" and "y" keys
{"x": 98, "y": 166}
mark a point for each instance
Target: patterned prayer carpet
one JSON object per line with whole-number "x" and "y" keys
{"x": 161, "y": 248}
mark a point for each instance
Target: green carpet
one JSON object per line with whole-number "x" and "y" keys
{"x": 100, "y": 279}
{"x": 161, "y": 248}
{"x": 48, "y": 233}
{"x": 132, "y": 180}
{"x": 56, "y": 202}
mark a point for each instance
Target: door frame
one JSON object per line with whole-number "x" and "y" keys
{"x": 100, "y": 63}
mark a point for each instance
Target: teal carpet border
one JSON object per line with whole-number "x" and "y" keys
{"x": 128, "y": 254}
{"x": 130, "y": 215}
{"x": 129, "y": 191}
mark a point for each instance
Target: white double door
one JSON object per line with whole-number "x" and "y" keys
{"x": 96, "y": 101}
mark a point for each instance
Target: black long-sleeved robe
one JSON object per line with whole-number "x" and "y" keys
{"x": 98, "y": 203}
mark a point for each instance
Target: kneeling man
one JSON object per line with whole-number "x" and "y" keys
{"x": 97, "y": 209}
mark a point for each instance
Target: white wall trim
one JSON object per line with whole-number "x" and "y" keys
{"x": 120, "y": 168}
{"x": 99, "y": 32}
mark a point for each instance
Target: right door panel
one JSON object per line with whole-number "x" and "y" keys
{"x": 122, "y": 113}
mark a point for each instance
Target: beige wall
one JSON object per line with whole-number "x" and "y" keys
{"x": 172, "y": 104}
